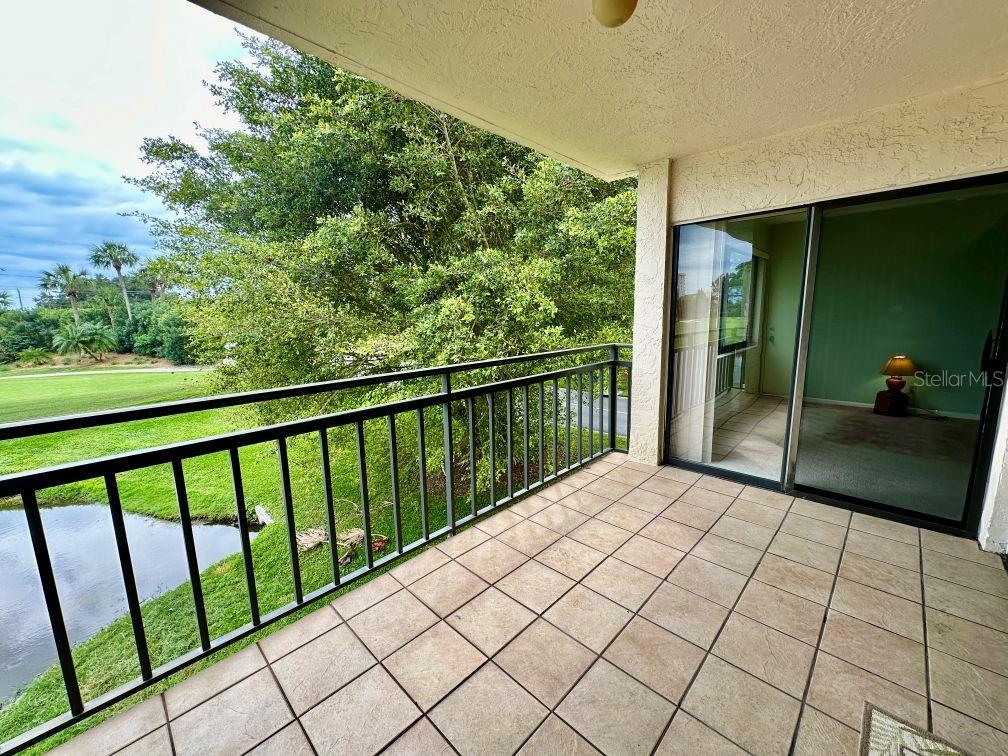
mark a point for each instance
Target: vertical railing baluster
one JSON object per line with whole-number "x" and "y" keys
{"x": 614, "y": 357}
{"x": 365, "y": 495}
{"x": 288, "y": 502}
{"x": 330, "y": 504}
{"x": 510, "y": 443}
{"x": 525, "y": 432}
{"x": 471, "y": 418}
{"x": 422, "y": 452}
{"x": 591, "y": 413}
{"x": 567, "y": 420}
{"x": 189, "y": 542}
{"x": 556, "y": 428}
{"x": 243, "y": 532}
{"x": 129, "y": 578}
{"x": 492, "y": 428}
{"x": 580, "y": 427}
{"x": 449, "y": 449}
{"x": 394, "y": 471}
{"x": 601, "y": 411}
{"x": 542, "y": 422}
{"x": 50, "y": 594}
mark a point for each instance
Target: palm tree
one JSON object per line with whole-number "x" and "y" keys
{"x": 67, "y": 282}
{"x": 155, "y": 274}
{"x": 5, "y": 301}
{"x": 113, "y": 255}
{"x": 84, "y": 337}
{"x": 105, "y": 297}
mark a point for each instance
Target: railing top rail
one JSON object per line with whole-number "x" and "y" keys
{"x": 60, "y": 423}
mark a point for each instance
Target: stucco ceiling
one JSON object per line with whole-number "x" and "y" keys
{"x": 680, "y": 77}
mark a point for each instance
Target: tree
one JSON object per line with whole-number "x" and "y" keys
{"x": 64, "y": 281}
{"x": 92, "y": 338}
{"x": 5, "y": 301}
{"x": 155, "y": 274}
{"x": 106, "y": 298}
{"x": 113, "y": 255}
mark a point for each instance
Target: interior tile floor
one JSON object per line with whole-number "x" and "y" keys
{"x": 627, "y": 609}
{"x": 749, "y": 431}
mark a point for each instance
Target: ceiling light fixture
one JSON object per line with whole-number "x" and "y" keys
{"x": 613, "y": 13}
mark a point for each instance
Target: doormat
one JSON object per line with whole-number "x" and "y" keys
{"x": 882, "y": 734}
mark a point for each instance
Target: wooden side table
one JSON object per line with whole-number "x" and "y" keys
{"x": 893, "y": 403}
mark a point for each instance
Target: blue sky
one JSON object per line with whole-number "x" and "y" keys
{"x": 83, "y": 84}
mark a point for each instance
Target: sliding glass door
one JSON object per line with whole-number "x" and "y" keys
{"x": 737, "y": 293}
{"x": 907, "y": 293}
{"x": 888, "y": 396}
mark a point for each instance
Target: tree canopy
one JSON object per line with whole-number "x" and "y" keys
{"x": 346, "y": 228}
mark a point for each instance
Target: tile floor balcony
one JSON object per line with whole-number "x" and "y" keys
{"x": 627, "y": 609}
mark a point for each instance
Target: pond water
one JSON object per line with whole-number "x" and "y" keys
{"x": 88, "y": 575}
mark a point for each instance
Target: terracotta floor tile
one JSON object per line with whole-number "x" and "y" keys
{"x": 321, "y": 667}
{"x": 421, "y": 738}
{"x": 793, "y": 615}
{"x": 982, "y": 608}
{"x": 650, "y": 556}
{"x": 607, "y": 488}
{"x": 897, "y": 615}
{"x": 648, "y": 501}
{"x": 429, "y": 666}
{"x": 601, "y": 535}
{"x": 623, "y": 583}
{"x": 488, "y": 714}
{"x": 687, "y": 736}
{"x": 448, "y": 588}
{"x": 670, "y": 489}
{"x": 980, "y": 577}
{"x": 490, "y": 620}
{"x": 362, "y": 717}
{"x": 769, "y": 654}
{"x": 392, "y": 623}
{"x": 530, "y": 505}
{"x": 687, "y": 615}
{"x": 632, "y": 727}
{"x": 248, "y": 712}
{"x": 712, "y": 500}
{"x": 590, "y": 618}
{"x": 881, "y": 576}
{"x": 535, "y": 585}
{"x": 840, "y": 690}
{"x": 624, "y": 516}
{"x": 627, "y": 475}
{"x": 690, "y": 514}
{"x": 499, "y": 522}
{"x": 556, "y": 491}
{"x": 586, "y": 502}
{"x": 492, "y": 560}
{"x": 554, "y": 737}
{"x": 673, "y": 534}
{"x": 807, "y": 582}
{"x": 821, "y": 735}
{"x": 545, "y": 661}
{"x": 559, "y": 518}
{"x": 966, "y": 687}
{"x": 755, "y": 715}
{"x": 570, "y": 558}
{"x": 661, "y": 660}
{"x": 731, "y": 554}
{"x": 812, "y": 529}
{"x": 886, "y": 654}
{"x": 528, "y": 537}
{"x": 719, "y": 584}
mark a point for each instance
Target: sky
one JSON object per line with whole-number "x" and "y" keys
{"x": 82, "y": 85}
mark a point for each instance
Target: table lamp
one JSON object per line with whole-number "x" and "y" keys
{"x": 893, "y": 401}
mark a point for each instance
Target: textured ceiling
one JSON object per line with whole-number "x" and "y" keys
{"x": 679, "y": 78}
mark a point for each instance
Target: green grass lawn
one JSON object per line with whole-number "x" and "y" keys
{"x": 108, "y": 659}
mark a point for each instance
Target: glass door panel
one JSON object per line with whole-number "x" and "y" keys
{"x": 738, "y": 286}
{"x": 906, "y": 292}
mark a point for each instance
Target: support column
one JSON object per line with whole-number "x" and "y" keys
{"x": 652, "y": 298}
{"x": 993, "y": 535}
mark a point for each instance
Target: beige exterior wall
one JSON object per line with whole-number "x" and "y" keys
{"x": 954, "y": 134}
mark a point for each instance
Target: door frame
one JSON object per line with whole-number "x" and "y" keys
{"x": 968, "y": 525}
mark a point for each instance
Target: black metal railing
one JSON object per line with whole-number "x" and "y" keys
{"x": 532, "y": 457}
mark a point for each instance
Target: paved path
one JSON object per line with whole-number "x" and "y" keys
{"x": 174, "y": 369}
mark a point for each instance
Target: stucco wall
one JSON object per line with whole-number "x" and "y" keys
{"x": 953, "y": 134}
{"x": 651, "y": 321}
{"x": 957, "y": 133}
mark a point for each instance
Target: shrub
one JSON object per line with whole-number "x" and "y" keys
{"x": 34, "y": 356}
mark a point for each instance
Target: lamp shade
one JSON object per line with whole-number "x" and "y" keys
{"x": 613, "y": 13}
{"x": 899, "y": 364}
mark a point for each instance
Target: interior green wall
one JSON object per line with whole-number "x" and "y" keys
{"x": 921, "y": 278}
{"x": 785, "y": 244}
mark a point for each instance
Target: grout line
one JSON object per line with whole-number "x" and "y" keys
{"x": 171, "y": 737}
{"x": 818, "y": 649}
{"x": 290, "y": 708}
{"x": 927, "y": 650}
